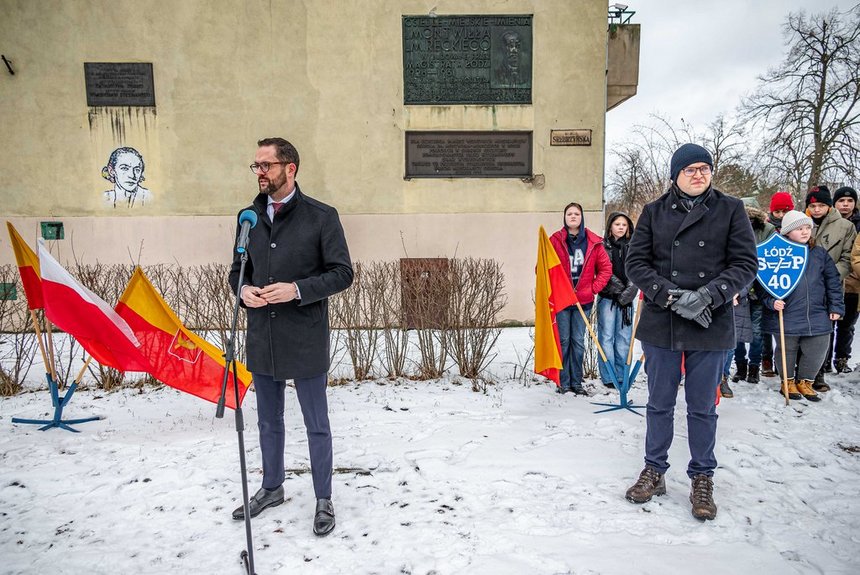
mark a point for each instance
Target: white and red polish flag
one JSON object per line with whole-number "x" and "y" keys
{"x": 88, "y": 318}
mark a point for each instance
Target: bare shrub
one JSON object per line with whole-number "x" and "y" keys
{"x": 359, "y": 312}
{"x": 18, "y": 342}
{"x": 477, "y": 296}
{"x": 394, "y": 332}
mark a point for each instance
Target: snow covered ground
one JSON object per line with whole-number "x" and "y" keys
{"x": 432, "y": 478}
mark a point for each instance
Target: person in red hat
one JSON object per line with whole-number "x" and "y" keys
{"x": 780, "y": 204}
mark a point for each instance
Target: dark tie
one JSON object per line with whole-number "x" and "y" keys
{"x": 276, "y": 206}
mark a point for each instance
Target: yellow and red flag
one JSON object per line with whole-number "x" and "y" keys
{"x": 553, "y": 292}
{"x": 179, "y": 357}
{"x": 28, "y": 267}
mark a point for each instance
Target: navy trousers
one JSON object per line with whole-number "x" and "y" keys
{"x": 311, "y": 392}
{"x": 703, "y": 370}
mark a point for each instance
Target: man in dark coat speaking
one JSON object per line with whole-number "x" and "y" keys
{"x": 693, "y": 249}
{"x": 297, "y": 258}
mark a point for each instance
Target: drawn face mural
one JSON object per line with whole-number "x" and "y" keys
{"x": 125, "y": 170}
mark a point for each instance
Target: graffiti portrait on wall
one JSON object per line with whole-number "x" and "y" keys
{"x": 125, "y": 171}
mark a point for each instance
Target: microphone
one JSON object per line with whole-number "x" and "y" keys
{"x": 247, "y": 220}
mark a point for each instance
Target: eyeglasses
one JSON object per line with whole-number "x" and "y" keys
{"x": 704, "y": 170}
{"x": 263, "y": 167}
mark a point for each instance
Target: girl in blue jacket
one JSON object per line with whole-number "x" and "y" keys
{"x": 808, "y": 312}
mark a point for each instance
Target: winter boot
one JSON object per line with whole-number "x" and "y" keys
{"x": 805, "y": 387}
{"x": 841, "y": 365}
{"x": 793, "y": 393}
{"x": 819, "y": 384}
{"x": 752, "y": 374}
{"x": 767, "y": 368}
{"x": 649, "y": 484}
{"x": 702, "y": 497}
{"x": 725, "y": 390}
{"x": 740, "y": 372}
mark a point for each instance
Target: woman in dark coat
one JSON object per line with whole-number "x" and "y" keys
{"x": 615, "y": 304}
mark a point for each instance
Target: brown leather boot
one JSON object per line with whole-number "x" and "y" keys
{"x": 702, "y": 497}
{"x": 649, "y": 484}
{"x": 767, "y": 368}
{"x": 804, "y": 386}
{"x": 793, "y": 393}
{"x": 725, "y": 390}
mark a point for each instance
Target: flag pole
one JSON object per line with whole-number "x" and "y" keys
{"x": 50, "y": 338}
{"x": 594, "y": 339}
{"x": 782, "y": 353}
{"x": 40, "y": 340}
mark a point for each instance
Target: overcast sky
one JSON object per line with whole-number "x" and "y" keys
{"x": 698, "y": 59}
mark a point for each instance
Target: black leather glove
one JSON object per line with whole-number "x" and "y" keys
{"x": 704, "y": 318}
{"x": 613, "y": 288}
{"x": 691, "y": 304}
{"x": 627, "y": 295}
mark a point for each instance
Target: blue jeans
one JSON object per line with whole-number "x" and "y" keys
{"x": 571, "y": 334}
{"x": 727, "y": 367}
{"x": 614, "y": 338}
{"x": 757, "y": 340}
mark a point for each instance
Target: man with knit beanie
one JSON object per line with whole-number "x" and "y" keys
{"x": 836, "y": 235}
{"x": 693, "y": 249}
{"x": 845, "y": 202}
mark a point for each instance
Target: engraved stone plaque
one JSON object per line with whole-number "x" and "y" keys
{"x": 468, "y": 154}
{"x": 119, "y": 84}
{"x": 467, "y": 59}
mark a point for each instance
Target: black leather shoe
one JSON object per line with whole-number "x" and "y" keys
{"x": 261, "y": 500}
{"x": 324, "y": 517}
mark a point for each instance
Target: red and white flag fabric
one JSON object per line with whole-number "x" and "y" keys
{"x": 88, "y": 318}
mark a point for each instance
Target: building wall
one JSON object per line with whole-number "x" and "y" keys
{"x": 325, "y": 75}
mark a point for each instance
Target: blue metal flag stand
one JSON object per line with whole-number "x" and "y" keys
{"x": 629, "y": 376}
{"x": 59, "y": 403}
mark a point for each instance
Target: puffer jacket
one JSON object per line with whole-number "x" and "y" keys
{"x": 596, "y": 270}
{"x": 807, "y": 308}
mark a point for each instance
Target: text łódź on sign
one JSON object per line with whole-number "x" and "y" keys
{"x": 780, "y": 265}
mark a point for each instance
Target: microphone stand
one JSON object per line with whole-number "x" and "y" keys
{"x": 247, "y": 555}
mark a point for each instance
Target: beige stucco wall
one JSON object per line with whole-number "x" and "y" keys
{"x": 326, "y": 75}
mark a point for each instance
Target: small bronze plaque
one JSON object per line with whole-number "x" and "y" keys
{"x": 468, "y": 154}
{"x": 119, "y": 84}
{"x": 570, "y": 138}
{"x": 467, "y": 59}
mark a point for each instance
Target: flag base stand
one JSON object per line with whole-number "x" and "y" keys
{"x": 623, "y": 402}
{"x": 59, "y": 403}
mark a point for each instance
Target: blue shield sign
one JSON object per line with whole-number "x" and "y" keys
{"x": 781, "y": 264}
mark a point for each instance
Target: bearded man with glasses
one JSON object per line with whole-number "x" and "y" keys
{"x": 692, "y": 251}
{"x": 297, "y": 259}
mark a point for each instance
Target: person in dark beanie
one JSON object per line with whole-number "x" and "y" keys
{"x": 845, "y": 202}
{"x": 836, "y": 235}
{"x": 780, "y": 203}
{"x": 692, "y": 250}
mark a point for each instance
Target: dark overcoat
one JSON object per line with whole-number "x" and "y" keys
{"x": 712, "y": 245}
{"x": 306, "y": 245}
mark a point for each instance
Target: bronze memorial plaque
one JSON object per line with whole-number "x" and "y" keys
{"x": 467, "y": 59}
{"x": 468, "y": 154}
{"x": 119, "y": 84}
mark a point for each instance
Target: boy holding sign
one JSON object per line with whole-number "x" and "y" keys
{"x": 814, "y": 300}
